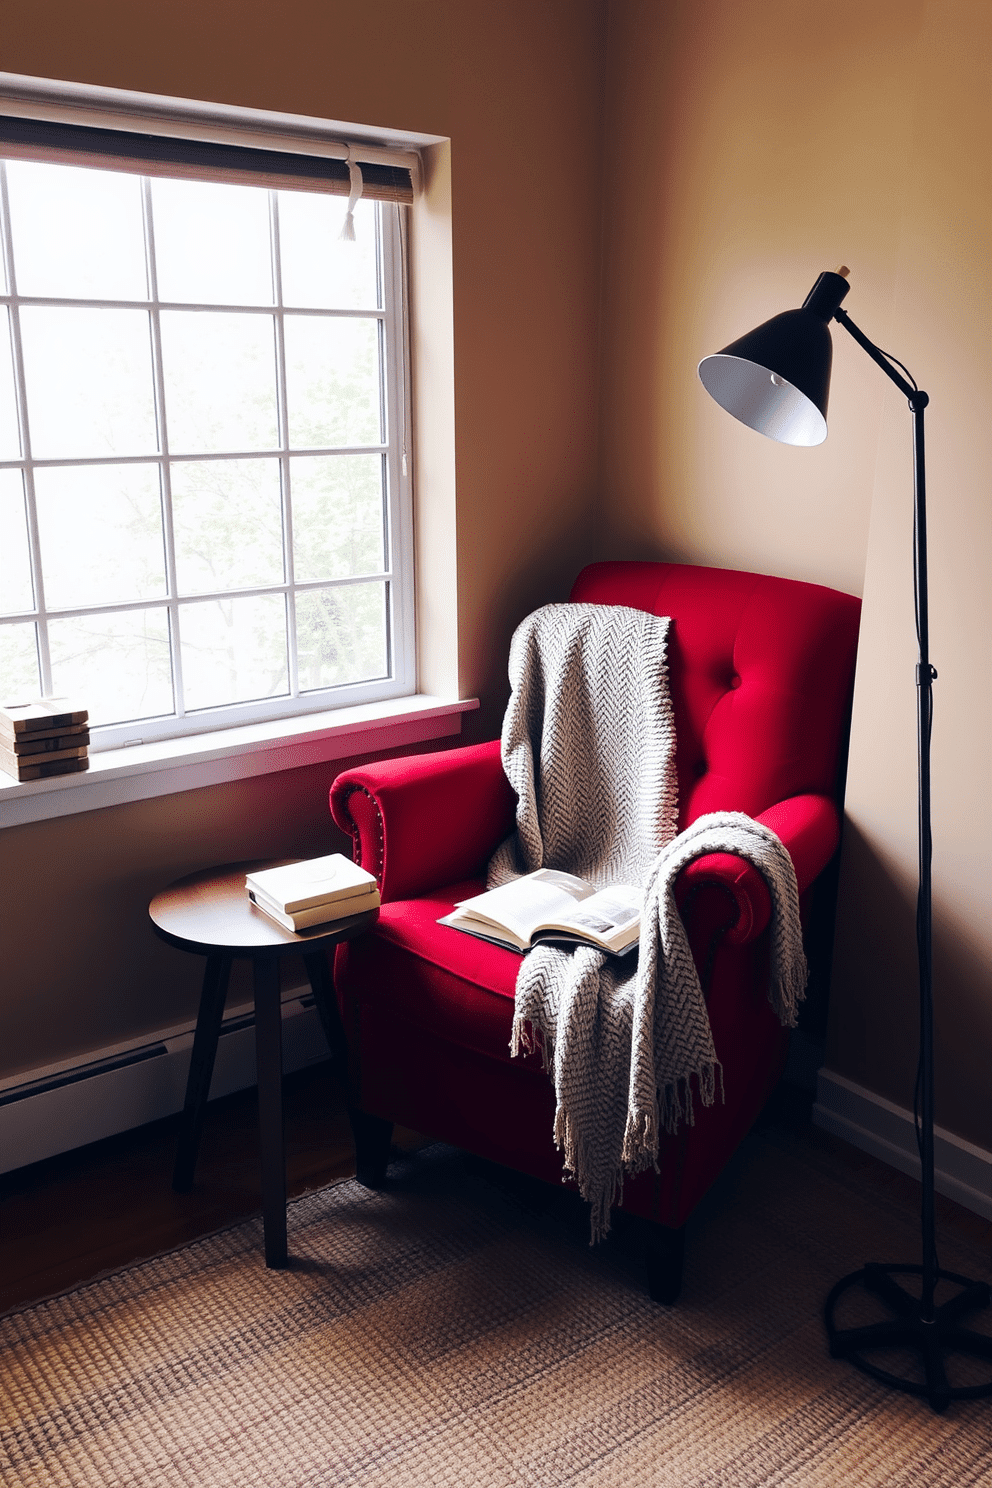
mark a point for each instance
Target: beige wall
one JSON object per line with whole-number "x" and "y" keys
{"x": 517, "y": 88}
{"x": 750, "y": 144}
{"x": 941, "y": 326}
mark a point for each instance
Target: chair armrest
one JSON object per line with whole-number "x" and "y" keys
{"x": 427, "y": 819}
{"x": 809, "y": 827}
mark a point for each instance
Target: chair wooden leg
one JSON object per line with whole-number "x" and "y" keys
{"x": 373, "y": 1139}
{"x": 665, "y": 1255}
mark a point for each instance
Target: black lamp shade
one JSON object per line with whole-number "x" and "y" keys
{"x": 776, "y": 379}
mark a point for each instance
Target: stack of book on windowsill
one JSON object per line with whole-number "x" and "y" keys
{"x": 300, "y": 895}
{"x": 45, "y": 738}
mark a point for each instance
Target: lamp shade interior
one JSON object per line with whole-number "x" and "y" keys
{"x": 762, "y": 399}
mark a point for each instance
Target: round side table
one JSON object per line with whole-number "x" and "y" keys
{"x": 210, "y": 914}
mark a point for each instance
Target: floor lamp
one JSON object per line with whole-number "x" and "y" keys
{"x": 776, "y": 380}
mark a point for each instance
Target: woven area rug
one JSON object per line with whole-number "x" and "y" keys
{"x": 458, "y": 1330}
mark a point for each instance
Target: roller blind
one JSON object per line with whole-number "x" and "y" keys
{"x": 200, "y": 160}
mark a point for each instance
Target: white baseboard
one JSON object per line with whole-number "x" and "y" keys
{"x": 55, "y": 1109}
{"x": 962, "y": 1171}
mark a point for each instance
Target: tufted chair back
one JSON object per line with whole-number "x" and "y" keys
{"x": 760, "y": 671}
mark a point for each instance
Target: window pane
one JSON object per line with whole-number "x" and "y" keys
{"x": 89, "y": 382}
{"x": 10, "y": 440}
{"x": 16, "y": 592}
{"x": 317, "y": 267}
{"x": 78, "y": 233}
{"x": 212, "y": 243}
{"x": 233, "y": 650}
{"x": 341, "y": 635}
{"x": 227, "y": 519}
{"x": 338, "y": 509}
{"x": 101, "y": 534}
{"x": 118, "y": 666}
{"x": 20, "y": 680}
{"x": 332, "y": 382}
{"x": 220, "y": 382}
{"x": 93, "y": 393}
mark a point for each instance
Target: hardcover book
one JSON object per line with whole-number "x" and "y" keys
{"x": 14, "y": 764}
{"x": 317, "y": 914}
{"x": 46, "y": 714}
{"x": 296, "y": 886}
{"x": 43, "y": 742}
{"x": 22, "y": 769}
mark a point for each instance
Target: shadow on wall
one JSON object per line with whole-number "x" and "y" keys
{"x": 962, "y": 1027}
{"x": 874, "y": 997}
{"x": 545, "y": 576}
{"x": 874, "y": 994}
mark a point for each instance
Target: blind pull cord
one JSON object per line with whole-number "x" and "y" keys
{"x": 355, "y": 173}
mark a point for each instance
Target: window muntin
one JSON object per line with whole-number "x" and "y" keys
{"x": 205, "y": 515}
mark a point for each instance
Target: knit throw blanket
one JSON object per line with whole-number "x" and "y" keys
{"x": 588, "y": 745}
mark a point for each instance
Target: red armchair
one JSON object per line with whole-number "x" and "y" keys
{"x": 761, "y": 674}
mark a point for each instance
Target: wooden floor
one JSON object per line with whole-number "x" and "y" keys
{"x": 787, "y": 1119}
{"x": 98, "y": 1209}
{"x": 69, "y": 1218}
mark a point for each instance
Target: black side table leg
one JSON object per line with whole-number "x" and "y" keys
{"x": 325, "y": 998}
{"x": 201, "y": 1068}
{"x": 268, "y": 1052}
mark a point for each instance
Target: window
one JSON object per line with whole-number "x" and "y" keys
{"x": 204, "y": 503}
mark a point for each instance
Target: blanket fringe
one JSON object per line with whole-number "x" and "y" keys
{"x": 675, "y": 1105}
{"x": 675, "y": 1102}
{"x": 526, "y": 1038}
{"x": 788, "y": 990}
{"x": 576, "y": 1162}
{"x": 640, "y": 1141}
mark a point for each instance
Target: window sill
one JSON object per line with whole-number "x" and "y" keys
{"x": 116, "y": 776}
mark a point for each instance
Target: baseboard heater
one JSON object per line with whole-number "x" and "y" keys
{"x": 56, "y": 1109}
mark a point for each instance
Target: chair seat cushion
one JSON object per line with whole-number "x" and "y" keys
{"x": 412, "y": 976}
{"x": 412, "y": 925}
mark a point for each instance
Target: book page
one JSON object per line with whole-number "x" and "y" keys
{"x": 529, "y": 901}
{"x": 604, "y": 912}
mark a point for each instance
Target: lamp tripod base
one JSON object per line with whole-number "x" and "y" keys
{"x": 934, "y": 1341}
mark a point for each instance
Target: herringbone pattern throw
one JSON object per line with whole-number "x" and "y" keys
{"x": 588, "y": 744}
{"x": 668, "y": 998}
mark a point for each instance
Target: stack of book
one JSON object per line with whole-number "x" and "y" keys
{"x": 49, "y": 737}
{"x": 299, "y": 895}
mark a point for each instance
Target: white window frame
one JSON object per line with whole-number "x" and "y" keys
{"x": 150, "y": 114}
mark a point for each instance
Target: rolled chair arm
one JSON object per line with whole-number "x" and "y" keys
{"x": 427, "y": 819}
{"x": 809, "y": 827}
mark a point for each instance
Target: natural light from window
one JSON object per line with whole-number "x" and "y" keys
{"x": 201, "y": 449}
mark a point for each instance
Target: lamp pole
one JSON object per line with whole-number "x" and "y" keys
{"x": 776, "y": 380}
{"x": 925, "y": 677}
{"x": 933, "y": 1332}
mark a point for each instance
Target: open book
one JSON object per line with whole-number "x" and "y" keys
{"x": 549, "y": 905}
